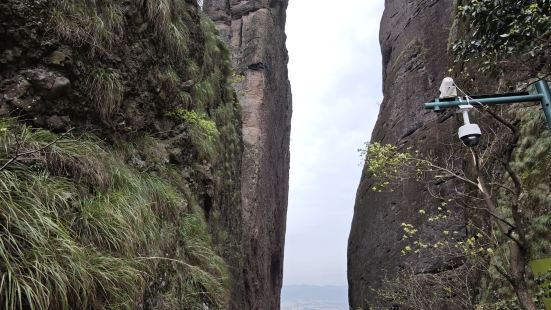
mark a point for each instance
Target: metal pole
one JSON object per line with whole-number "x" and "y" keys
{"x": 543, "y": 90}
{"x": 437, "y": 105}
{"x": 543, "y": 95}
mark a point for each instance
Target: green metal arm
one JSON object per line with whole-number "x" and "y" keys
{"x": 543, "y": 95}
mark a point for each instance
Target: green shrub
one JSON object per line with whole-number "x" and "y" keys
{"x": 203, "y": 133}
{"x": 532, "y": 160}
{"x": 501, "y": 30}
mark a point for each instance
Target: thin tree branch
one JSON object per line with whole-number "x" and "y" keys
{"x": 497, "y": 217}
{"x": 504, "y": 274}
{"x": 451, "y": 173}
{"x": 18, "y": 155}
{"x": 504, "y": 187}
{"x": 507, "y": 231}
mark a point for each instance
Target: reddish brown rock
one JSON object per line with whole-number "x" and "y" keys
{"x": 255, "y": 32}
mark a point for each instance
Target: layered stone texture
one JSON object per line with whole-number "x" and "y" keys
{"x": 414, "y": 38}
{"x": 255, "y": 33}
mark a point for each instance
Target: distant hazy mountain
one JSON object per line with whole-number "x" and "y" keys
{"x": 309, "y": 297}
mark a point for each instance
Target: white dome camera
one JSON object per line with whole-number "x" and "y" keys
{"x": 469, "y": 133}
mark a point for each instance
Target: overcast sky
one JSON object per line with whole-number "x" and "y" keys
{"x": 335, "y": 72}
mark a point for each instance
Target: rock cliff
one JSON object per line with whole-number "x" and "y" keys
{"x": 423, "y": 242}
{"x": 255, "y": 33}
{"x": 414, "y": 41}
{"x": 152, "y": 173}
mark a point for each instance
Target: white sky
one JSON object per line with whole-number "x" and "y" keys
{"x": 335, "y": 73}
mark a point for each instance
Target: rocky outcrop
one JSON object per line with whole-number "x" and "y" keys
{"x": 146, "y": 85}
{"x": 414, "y": 38}
{"x": 127, "y": 71}
{"x": 255, "y": 33}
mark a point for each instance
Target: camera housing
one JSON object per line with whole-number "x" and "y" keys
{"x": 448, "y": 88}
{"x": 470, "y": 134}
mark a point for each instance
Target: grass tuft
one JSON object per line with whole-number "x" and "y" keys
{"x": 106, "y": 90}
{"x": 96, "y": 23}
{"x": 207, "y": 272}
{"x": 45, "y": 267}
{"x": 168, "y": 19}
{"x": 68, "y": 244}
{"x": 171, "y": 84}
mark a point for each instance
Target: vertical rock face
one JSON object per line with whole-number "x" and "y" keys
{"x": 255, "y": 33}
{"x": 414, "y": 37}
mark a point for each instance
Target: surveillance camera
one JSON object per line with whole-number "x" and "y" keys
{"x": 470, "y": 134}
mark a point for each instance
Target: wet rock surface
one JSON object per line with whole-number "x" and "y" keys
{"x": 255, "y": 33}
